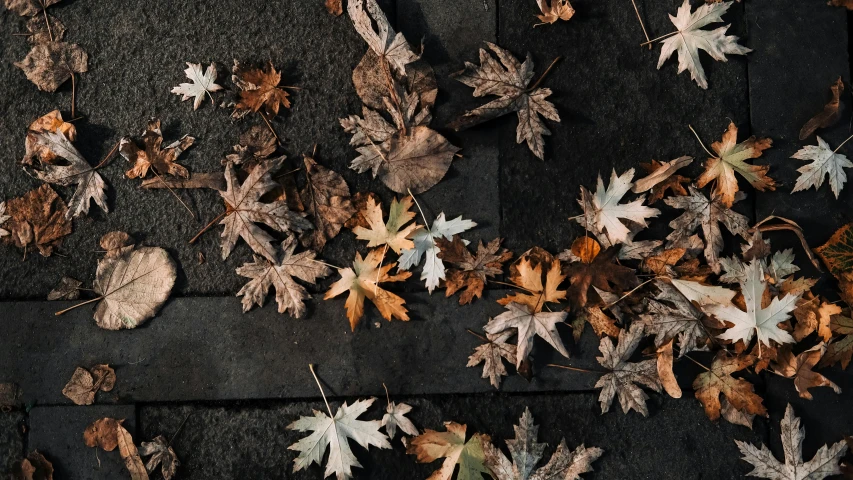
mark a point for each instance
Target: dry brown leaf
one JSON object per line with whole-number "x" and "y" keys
{"x": 799, "y": 368}
{"x": 490, "y": 354}
{"x": 128, "y": 452}
{"x": 49, "y": 65}
{"x": 51, "y": 122}
{"x": 327, "y": 199}
{"x": 535, "y": 294}
{"x": 258, "y": 89}
{"x": 370, "y": 22}
{"x": 40, "y": 33}
{"x": 600, "y": 272}
{"x": 83, "y": 386}
{"x": 451, "y": 445}
{"x": 813, "y": 315}
{"x": 103, "y": 433}
{"x": 670, "y": 315}
{"x": 254, "y": 145}
{"x": 212, "y": 180}
{"x": 394, "y": 233}
{"x": 359, "y": 202}
{"x": 362, "y": 281}
{"x": 37, "y": 219}
{"x": 161, "y": 454}
{"x": 667, "y": 378}
{"x": 154, "y": 156}
{"x": 662, "y": 264}
{"x": 34, "y": 467}
{"x": 553, "y": 10}
{"x": 661, "y": 178}
{"x": 732, "y": 158}
{"x": 624, "y": 377}
{"x": 600, "y": 322}
{"x": 334, "y": 7}
{"x": 829, "y": 115}
{"x": 471, "y": 273}
{"x": 67, "y": 289}
{"x": 718, "y": 381}
{"x": 29, "y": 8}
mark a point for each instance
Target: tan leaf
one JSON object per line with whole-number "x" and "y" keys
{"x": 116, "y": 243}
{"x": 212, "y": 180}
{"x": 370, "y": 22}
{"x": 29, "y": 8}
{"x": 600, "y": 322}
{"x": 829, "y": 115}
{"x": 68, "y": 289}
{"x": 335, "y": 7}
{"x": 799, "y": 368}
{"x": 553, "y": 10}
{"x": 161, "y": 454}
{"x": 34, "y": 467}
{"x": 601, "y": 273}
{"x": 258, "y": 89}
{"x": 662, "y": 177}
{"x": 471, "y": 273}
{"x": 49, "y": 65}
{"x": 735, "y": 416}
{"x": 625, "y": 377}
{"x": 103, "y": 433}
{"x": 359, "y": 202}
{"x": 128, "y": 452}
{"x": 667, "y": 378}
{"x": 254, "y": 145}
{"x": 535, "y": 293}
{"x": 661, "y": 265}
{"x": 392, "y": 233}
{"x": 40, "y": 32}
{"x": 529, "y": 325}
{"x": 813, "y": 315}
{"x": 490, "y": 354}
{"x": 154, "y": 155}
{"x": 51, "y": 122}
{"x": 451, "y": 445}
{"x": 327, "y": 199}
{"x": 37, "y": 219}
{"x": 718, "y": 381}
{"x": 83, "y": 386}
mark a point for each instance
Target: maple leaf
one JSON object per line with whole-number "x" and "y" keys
{"x": 83, "y": 386}
{"x": 529, "y": 324}
{"x": 529, "y": 278}
{"x": 264, "y": 274}
{"x": 553, "y": 10}
{"x": 202, "y": 84}
{"x": 49, "y": 65}
{"x": 327, "y": 198}
{"x": 391, "y": 233}
{"x": 244, "y": 210}
{"x": 425, "y": 247}
{"x": 828, "y": 115}
{"x": 490, "y": 354}
{"x": 38, "y": 218}
{"x": 732, "y": 158}
{"x": 50, "y": 122}
{"x": 814, "y": 315}
{"x": 334, "y": 433}
{"x": 509, "y": 80}
{"x": 161, "y": 454}
{"x": 799, "y": 367}
{"x": 362, "y": 281}
{"x": 841, "y": 350}
{"x": 681, "y": 321}
{"x": 603, "y": 212}
{"x": 699, "y": 212}
{"x": 690, "y": 38}
{"x": 601, "y": 272}
{"x": 624, "y": 375}
{"x": 823, "y": 464}
{"x": 471, "y": 273}
{"x": 390, "y": 47}
{"x": 395, "y": 416}
{"x": 667, "y": 378}
{"x": 757, "y": 319}
{"x": 29, "y": 8}
{"x": 704, "y": 295}
{"x": 258, "y": 89}
{"x": 601, "y": 324}
{"x": 825, "y": 162}
{"x": 162, "y": 160}
{"x": 718, "y": 381}
{"x": 255, "y": 144}
{"x": 526, "y": 453}
{"x": 41, "y": 32}
{"x": 662, "y": 177}
{"x": 90, "y": 185}
{"x": 451, "y": 445}
{"x": 837, "y": 254}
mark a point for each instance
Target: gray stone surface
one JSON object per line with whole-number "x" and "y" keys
{"x": 11, "y": 439}
{"x": 57, "y": 432}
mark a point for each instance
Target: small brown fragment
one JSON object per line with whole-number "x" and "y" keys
{"x": 37, "y": 219}
{"x": 830, "y": 114}
{"x": 667, "y": 378}
{"x": 103, "y": 433}
{"x": 335, "y": 7}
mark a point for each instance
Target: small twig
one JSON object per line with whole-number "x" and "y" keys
{"x": 799, "y": 233}
{"x": 645, "y": 33}
{"x": 172, "y": 192}
{"x": 269, "y": 125}
{"x": 513, "y": 286}
{"x": 696, "y": 362}
{"x": 109, "y": 156}
{"x": 287, "y": 173}
{"x": 326, "y": 264}
{"x": 73, "y": 93}
{"x": 842, "y": 144}
{"x": 180, "y": 427}
{"x": 659, "y": 38}
{"x": 542, "y": 77}
{"x": 208, "y": 226}
{"x": 323, "y": 394}
{"x": 477, "y": 335}
{"x": 629, "y": 293}
{"x": 47, "y": 22}
{"x": 387, "y": 396}
{"x": 575, "y": 369}
{"x": 78, "y": 305}
{"x": 700, "y": 142}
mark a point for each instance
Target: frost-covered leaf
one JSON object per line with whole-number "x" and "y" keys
{"x": 603, "y": 214}
{"x": 201, "y": 84}
{"x": 624, "y": 376}
{"x": 825, "y": 163}
{"x": 425, "y": 247}
{"x": 529, "y": 325}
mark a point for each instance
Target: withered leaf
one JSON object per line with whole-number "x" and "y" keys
{"x": 451, "y": 445}
{"x": 244, "y": 210}
{"x": 394, "y": 233}
{"x": 390, "y": 46}
{"x": 51, "y": 122}
{"x": 264, "y": 274}
{"x": 395, "y": 416}
{"x": 335, "y": 7}
{"x": 359, "y": 202}
{"x": 828, "y": 116}
{"x": 624, "y": 375}
{"x": 362, "y": 281}
{"x": 255, "y": 144}
{"x": 212, "y": 180}
{"x": 103, "y": 433}
{"x": 162, "y": 160}
{"x": 371, "y": 80}
{"x": 529, "y": 324}
{"x": 605, "y": 216}
{"x": 128, "y": 452}
{"x": 34, "y": 467}
{"x": 29, "y": 8}
{"x": 799, "y": 367}
{"x": 49, "y": 65}
{"x": 39, "y": 219}
{"x": 670, "y": 315}
{"x": 837, "y": 254}
{"x": 161, "y": 454}
{"x": 258, "y": 89}
{"x": 326, "y": 197}
{"x": 41, "y": 33}
{"x": 202, "y": 84}
{"x": 535, "y": 293}
{"x": 599, "y": 321}
{"x": 814, "y": 315}
{"x": 662, "y": 177}
{"x": 83, "y": 386}
{"x": 600, "y": 272}
{"x": 490, "y": 354}
{"x": 719, "y": 381}
{"x": 68, "y": 289}
{"x": 471, "y": 273}
{"x": 664, "y": 366}
{"x": 509, "y": 80}
{"x": 553, "y": 10}
{"x": 116, "y": 243}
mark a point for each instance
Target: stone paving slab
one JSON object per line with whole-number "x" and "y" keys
{"x": 57, "y": 432}
{"x": 11, "y": 440}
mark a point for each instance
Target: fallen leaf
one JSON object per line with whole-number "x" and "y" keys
{"x": 529, "y": 278}
{"x": 34, "y": 467}
{"x": 254, "y": 145}
{"x": 553, "y": 10}
{"x": 662, "y": 265}
{"x": 103, "y": 433}
{"x": 335, "y": 7}
{"x": 670, "y": 315}
{"x": 395, "y": 416}
{"x": 334, "y": 433}
{"x": 161, "y": 454}
{"x": 201, "y": 84}
{"x": 624, "y": 375}
{"x": 83, "y": 386}
{"x": 29, "y": 8}
{"x": 601, "y": 324}
{"x": 471, "y": 273}
{"x": 490, "y": 354}
{"x": 825, "y": 163}
{"x": 426, "y": 248}
{"x": 704, "y": 295}
{"x": 732, "y": 158}
{"x": 370, "y": 22}
{"x": 128, "y": 452}
{"x": 662, "y": 177}
{"x": 51, "y": 122}
{"x": 690, "y": 38}
{"x": 362, "y": 281}
{"x": 3, "y": 219}
{"x": 823, "y": 464}
{"x": 718, "y": 381}
{"x": 829, "y": 115}
{"x": 41, "y": 33}
{"x": 359, "y": 202}
{"x": 603, "y": 214}
{"x": 289, "y": 295}
{"x": 162, "y": 160}
{"x": 529, "y": 324}
{"x": 38, "y": 218}
{"x": 735, "y": 416}
{"x": 664, "y": 367}
{"x": 49, "y": 65}
{"x": 394, "y": 233}
{"x": 813, "y": 315}
{"x": 841, "y": 350}
{"x": 451, "y": 445}
{"x": 601, "y": 272}
{"x": 503, "y": 76}
{"x": 799, "y": 367}
{"x": 258, "y": 89}
{"x": 526, "y": 454}
{"x": 116, "y": 244}
{"x": 327, "y": 198}
{"x": 68, "y": 289}
{"x": 848, "y": 4}
{"x": 212, "y": 180}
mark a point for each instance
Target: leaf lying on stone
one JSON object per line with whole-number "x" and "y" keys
{"x": 490, "y": 354}
{"x": 837, "y": 254}
{"x": 163, "y": 160}
{"x": 212, "y": 180}
{"x": 52, "y": 122}
{"x": 670, "y": 315}
{"x": 41, "y": 33}
{"x": 662, "y": 177}
{"x": 527, "y": 274}
{"x": 624, "y": 375}
{"x": 67, "y": 289}
{"x": 201, "y": 84}
{"x": 326, "y": 197}
{"x": 29, "y": 8}
{"x": 603, "y": 214}
{"x": 814, "y": 315}
{"x": 799, "y": 367}
{"x": 529, "y": 324}
{"x": 825, "y": 163}
{"x": 829, "y": 115}
{"x": 665, "y": 373}
{"x": 841, "y": 350}
{"x": 597, "y": 270}
{"x": 526, "y": 454}
{"x": 553, "y": 10}
{"x": 451, "y": 445}
{"x": 258, "y": 90}
{"x": 395, "y": 416}
{"x": 718, "y": 381}
{"x": 370, "y": 22}
{"x": 335, "y": 7}
{"x": 83, "y": 386}
{"x": 426, "y": 248}
{"x": 500, "y": 74}
{"x": 161, "y": 454}
{"x": 255, "y": 144}
{"x": 34, "y": 467}
{"x": 49, "y": 65}
{"x": 109, "y": 434}
{"x": 470, "y": 273}
{"x": 38, "y": 219}
{"x": 393, "y": 233}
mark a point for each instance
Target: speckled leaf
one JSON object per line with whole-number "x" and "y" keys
{"x": 625, "y": 377}
{"x": 49, "y": 65}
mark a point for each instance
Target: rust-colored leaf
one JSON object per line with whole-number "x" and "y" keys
{"x": 829, "y": 114}
{"x": 470, "y": 273}
{"x": 667, "y": 378}
{"x": 153, "y": 155}
{"x": 799, "y": 368}
{"x": 258, "y": 89}
{"x": 37, "y": 219}
{"x": 51, "y": 122}
{"x": 326, "y": 197}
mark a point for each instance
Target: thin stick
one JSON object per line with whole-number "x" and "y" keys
{"x": 514, "y": 286}
{"x": 73, "y": 93}
{"x": 629, "y": 293}
{"x": 269, "y": 125}
{"x": 109, "y": 156}
{"x": 287, "y": 173}
{"x": 477, "y": 335}
{"x": 574, "y": 369}
{"x": 387, "y": 396}
{"x": 78, "y": 305}
{"x": 645, "y": 33}
{"x": 842, "y": 143}
{"x": 323, "y": 394}
{"x": 47, "y": 22}
{"x": 696, "y": 362}
{"x": 799, "y": 233}
{"x": 659, "y": 38}
{"x": 180, "y": 427}
{"x": 326, "y": 264}
{"x": 290, "y": 87}
{"x": 208, "y": 226}
{"x": 700, "y": 142}
{"x": 173, "y": 192}
{"x": 426, "y": 223}
{"x": 379, "y": 270}
{"x": 542, "y": 77}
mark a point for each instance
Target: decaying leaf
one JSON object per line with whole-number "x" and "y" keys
{"x": 662, "y": 177}
{"x": 244, "y": 210}
{"x": 526, "y": 454}
{"x": 732, "y": 157}
{"x": 395, "y": 416}
{"x": 264, "y": 274}
{"x": 335, "y": 7}
{"x": 690, "y": 38}
{"x": 362, "y": 281}
{"x": 212, "y": 180}
{"x": 471, "y": 273}
{"x": 664, "y": 367}
{"x": 624, "y": 375}
{"x": 603, "y": 214}
{"x": 29, "y": 8}
{"x": 34, "y": 467}
{"x": 359, "y": 202}
{"x": 670, "y": 315}
{"x": 51, "y": 122}
{"x": 128, "y": 452}
{"x": 394, "y": 233}
{"x": 841, "y": 350}
{"x": 103, "y": 434}
{"x": 452, "y": 447}
{"x": 553, "y": 10}
{"x": 828, "y": 115}
{"x": 154, "y": 155}
{"x": 425, "y": 247}
{"x": 529, "y": 324}
{"x": 527, "y": 274}
{"x": 391, "y": 47}
{"x": 37, "y": 219}
{"x": 826, "y": 162}
{"x": 161, "y": 454}
{"x": 255, "y": 144}
{"x": 83, "y": 386}
{"x": 500, "y": 74}
{"x": 334, "y": 434}
{"x": 49, "y": 65}
{"x": 814, "y": 315}
{"x": 718, "y": 381}
{"x": 837, "y": 254}
{"x": 258, "y": 89}
{"x": 133, "y": 284}
{"x": 40, "y": 32}
{"x": 490, "y": 354}
{"x": 327, "y": 199}
{"x": 90, "y": 184}
{"x": 823, "y": 464}
{"x": 201, "y": 84}
{"x": 799, "y": 367}
{"x": 68, "y": 289}
{"x": 599, "y": 271}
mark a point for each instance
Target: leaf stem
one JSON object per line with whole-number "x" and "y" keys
{"x": 73, "y": 91}
{"x": 542, "y": 77}
{"x": 629, "y": 293}
{"x": 700, "y": 142}
{"x": 842, "y": 144}
{"x": 173, "y": 192}
{"x": 575, "y": 369}
{"x": 322, "y": 393}
{"x": 426, "y": 223}
{"x": 387, "y": 396}
{"x": 78, "y": 305}
{"x": 109, "y": 156}
{"x": 180, "y": 427}
{"x": 208, "y": 226}
{"x": 269, "y": 125}
{"x": 47, "y": 22}
{"x": 696, "y": 362}
{"x": 659, "y": 38}
{"x": 477, "y": 335}
{"x": 643, "y": 26}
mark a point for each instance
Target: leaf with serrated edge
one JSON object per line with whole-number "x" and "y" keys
{"x": 425, "y": 247}
{"x": 202, "y": 84}
{"x": 529, "y": 325}
{"x": 490, "y": 354}
{"x": 624, "y": 375}
{"x": 451, "y": 445}
{"x": 394, "y": 233}
{"x": 718, "y": 380}
{"x": 603, "y": 213}
{"x": 395, "y": 416}
{"x": 825, "y": 163}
